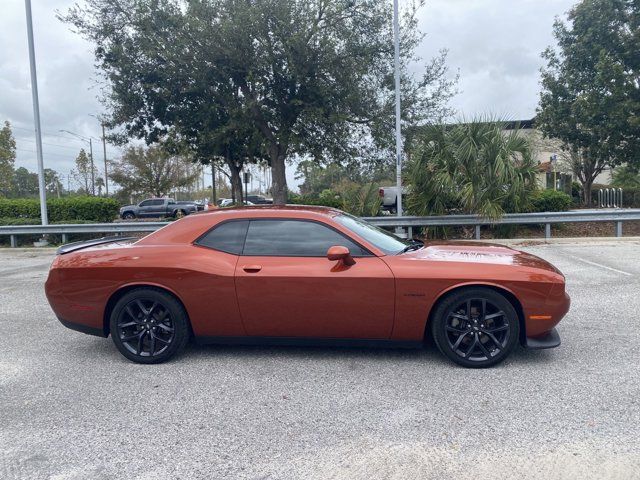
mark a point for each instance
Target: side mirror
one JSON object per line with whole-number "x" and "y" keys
{"x": 340, "y": 253}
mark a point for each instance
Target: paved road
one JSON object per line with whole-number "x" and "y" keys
{"x": 72, "y": 408}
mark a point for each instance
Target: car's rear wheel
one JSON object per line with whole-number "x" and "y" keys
{"x": 128, "y": 216}
{"x": 476, "y": 327}
{"x": 149, "y": 325}
{"x": 180, "y": 213}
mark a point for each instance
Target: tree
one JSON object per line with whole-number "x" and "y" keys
{"x": 474, "y": 168}
{"x": 25, "y": 183}
{"x": 82, "y": 172}
{"x": 100, "y": 185}
{"x": 626, "y": 177}
{"x": 272, "y": 79}
{"x": 52, "y": 182}
{"x": 7, "y": 158}
{"x": 590, "y": 90}
{"x": 151, "y": 171}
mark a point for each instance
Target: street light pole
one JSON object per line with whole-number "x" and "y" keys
{"x": 93, "y": 168}
{"x": 396, "y": 38}
{"x": 36, "y": 115}
{"x": 104, "y": 153}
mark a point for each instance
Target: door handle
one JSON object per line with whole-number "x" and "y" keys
{"x": 252, "y": 268}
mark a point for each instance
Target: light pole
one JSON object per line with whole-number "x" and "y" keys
{"x": 396, "y": 38}
{"x": 93, "y": 168}
{"x": 36, "y": 115}
{"x": 104, "y": 155}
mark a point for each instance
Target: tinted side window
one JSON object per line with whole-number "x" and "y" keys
{"x": 227, "y": 237}
{"x": 146, "y": 203}
{"x": 293, "y": 238}
{"x": 157, "y": 202}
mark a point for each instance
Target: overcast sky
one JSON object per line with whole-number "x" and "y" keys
{"x": 495, "y": 45}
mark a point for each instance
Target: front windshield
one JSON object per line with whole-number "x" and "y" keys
{"x": 382, "y": 239}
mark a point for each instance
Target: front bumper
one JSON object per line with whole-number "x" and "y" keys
{"x": 551, "y": 339}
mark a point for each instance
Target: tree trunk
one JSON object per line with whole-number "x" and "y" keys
{"x": 278, "y": 178}
{"x": 586, "y": 191}
{"x": 236, "y": 182}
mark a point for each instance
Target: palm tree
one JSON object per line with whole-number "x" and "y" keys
{"x": 477, "y": 167}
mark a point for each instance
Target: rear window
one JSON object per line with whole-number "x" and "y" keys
{"x": 227, "y": 237}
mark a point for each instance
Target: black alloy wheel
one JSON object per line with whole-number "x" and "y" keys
{"x": 149, "y": 326}
{"x": 476, "y": 327}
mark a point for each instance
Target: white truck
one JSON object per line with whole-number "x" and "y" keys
{"x": 389, "y": 198}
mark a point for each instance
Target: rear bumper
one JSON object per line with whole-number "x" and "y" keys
{"x": 551, "y": 339}
{"x": 79, "y": 327}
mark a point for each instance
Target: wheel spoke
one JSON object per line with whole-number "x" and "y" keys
{"x": 140, "y": 342}
{"x": 494, "y": 315}
{"x": 484, "y": 349}
{"x": 155, "y": 304}
{"x": 459, "y": 340}
{"x": 160, "y": 339}
{"x": 455, "y": 329}
{"x": 131, "y": 337}
{"x": 472, "y": 347}
{"x": 496, "y": 329}
{"x": 164, "y": 327}
{"x": 459, "y": 317}
{"x": 483, "y": 314}
{"x": 152, "y": 344}
{"x": 494, "y": 340}
{"x": 130, "y": 312}
{"x": 128, "y": 324}
{"x": 141, "y": 307}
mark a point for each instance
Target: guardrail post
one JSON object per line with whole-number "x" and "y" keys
{"x": 410, "y": 233}
{"x": 618, "y": 229}
{"x": 547, "y": 231}
{"x": 65, "y": 238}
{"x": 14, "y": 241}
{"x": 477, "y": 232}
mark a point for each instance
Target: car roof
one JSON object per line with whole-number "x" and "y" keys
{"x": 190, "y": 227}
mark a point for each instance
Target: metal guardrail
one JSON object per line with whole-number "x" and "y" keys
{"x": 547, "y": 218}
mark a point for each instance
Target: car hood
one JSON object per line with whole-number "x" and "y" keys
{"x": 476, "y": 252}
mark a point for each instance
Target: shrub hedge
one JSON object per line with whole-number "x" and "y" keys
{"x": 91, "y": 209}
{"x": 551, "y": 201}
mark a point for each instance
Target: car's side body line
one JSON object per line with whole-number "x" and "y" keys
{"x": 308, "y": 341}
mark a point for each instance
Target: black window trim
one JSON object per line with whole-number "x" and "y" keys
{"x": 368, "y": 254}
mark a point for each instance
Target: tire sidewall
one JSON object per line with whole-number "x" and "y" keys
{"x": 439, "y": 319}
{"x": 178, "y": 316}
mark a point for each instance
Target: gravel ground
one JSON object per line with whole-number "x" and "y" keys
{"x": 72, "y": 408}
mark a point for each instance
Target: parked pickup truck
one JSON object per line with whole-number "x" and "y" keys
{"x": 159, "y": 207}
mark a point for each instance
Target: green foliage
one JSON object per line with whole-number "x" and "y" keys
{"x": 270, "y": 80}
{"x": 7, "y": 158}
{"x": 626, "y": 177}
{"x": 589, "y": 96}
{"x": 359, "y": 200}
{"x": 90, "y": 209}
{"x": 151, "y": 171}
{"x": 551, "y": 201}
{"x": 473, "y": 167}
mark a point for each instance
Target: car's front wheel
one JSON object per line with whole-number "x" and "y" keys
{"x": 149, "y": 325}
{"x": 476, "y": 327}
{"x": 180, "y": 213}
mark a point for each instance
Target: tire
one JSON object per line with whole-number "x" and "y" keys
{"x": 149, "y": 325}
{"x": 180, "y": 213}
{"x": 128, "y": 216}
{"x": 481, "y": 339}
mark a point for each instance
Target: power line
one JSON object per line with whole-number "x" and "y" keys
{"x": 22, "y": 139}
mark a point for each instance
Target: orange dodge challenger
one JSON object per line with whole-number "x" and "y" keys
{"x": 304, "y": 275}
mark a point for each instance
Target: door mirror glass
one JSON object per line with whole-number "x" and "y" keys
{"x": 338, "y": 252}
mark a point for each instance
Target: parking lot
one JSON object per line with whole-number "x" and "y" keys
{"x": 72, "y": 408}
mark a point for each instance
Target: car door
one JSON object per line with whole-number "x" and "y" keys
{"x": 286, "y": 286}
{"x": 144, "y": 208}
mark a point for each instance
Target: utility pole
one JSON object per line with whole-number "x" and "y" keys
{"x": 396, "y": 38}
{"x": 104, "y": 153}
{"x": 93, "y": 168}
{"x": 36, "y": 115}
